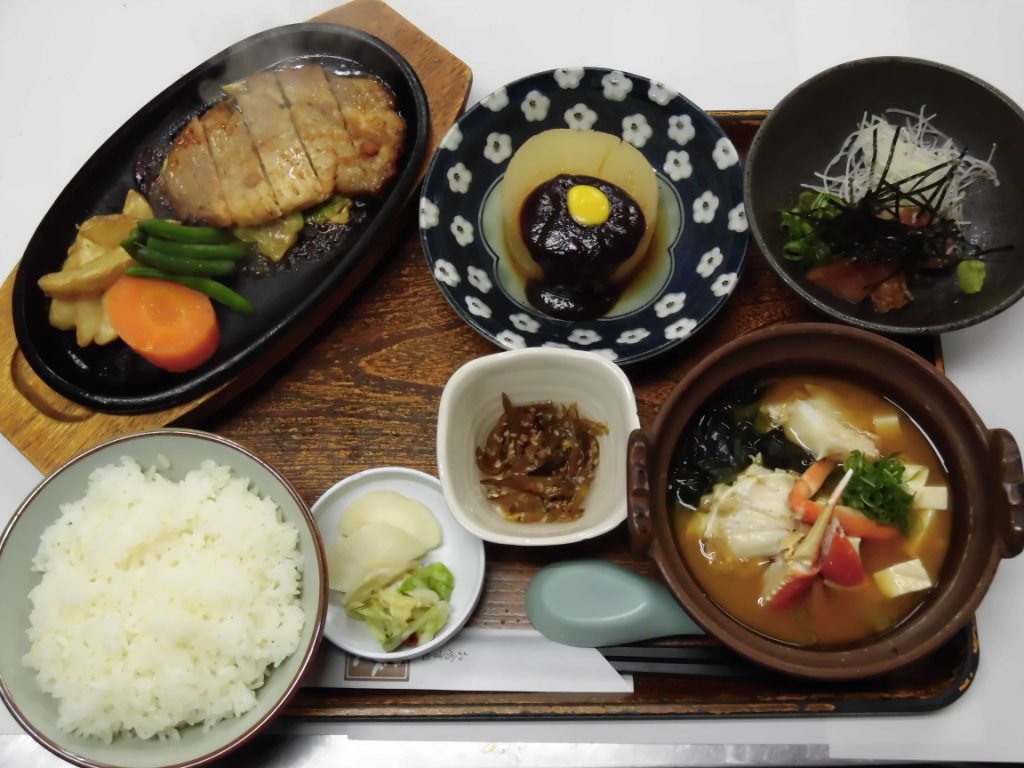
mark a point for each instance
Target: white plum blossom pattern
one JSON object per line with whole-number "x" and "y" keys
{"x": 584, "y": 337}
{"x": 738, "y": 219}
{"x": 705, "y": 178}
{"x": 535, "y": 106}
{"x": 660, "y": 94}
{"x": 510, "y": 340}
{"x": 462, "y": 230}
{"x": 724, "y": 284}
{"x": 498, "y": 148}
{"x": 616, "y": 86}
{"x": 704, "y": 208}
{"x": 429, "y": 214}
{"x": 669, "y": 304}
{"x": 496, "y": 101}
{"x": 452, "y": 139}
{"x": 459, "y": 177}
{"x": 636, "y": 130}
{"x": 680, "y": 329}
{"x": 633, "y": 336}
{"x": 445, "y": 272}
{"x": 709, "y": 262}
{"x": 680, "y": 129}
{"x": 677, "y": 164}
{"x": 479, "y": 279}
{"x": 569, "y": 77}
{"x": 523, "y": 322}
{"x": 477, "y": 307}
{"x": 724, "y": 154}
{"x": 580, "y": 117}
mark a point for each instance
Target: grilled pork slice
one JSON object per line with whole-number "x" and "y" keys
{"x": 246, "y": 190}
{"x": 284, "y": 159}
{"x": 190, "y": 182}
{"x": 283, "y": 141}
{"x": 319, "y": 124}
{"x": 376, "y": 128}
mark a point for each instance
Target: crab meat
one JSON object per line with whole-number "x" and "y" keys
{"x": 818, "y": 426}
{"x": 792, "y": 573}
{"x": 752, "y": 516}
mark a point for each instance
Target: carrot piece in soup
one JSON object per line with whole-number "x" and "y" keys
{"x": 171, "y": 326}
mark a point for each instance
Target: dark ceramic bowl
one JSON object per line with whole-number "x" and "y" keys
{"x": 983, "y": 466}
{"x": 806, "y": 129}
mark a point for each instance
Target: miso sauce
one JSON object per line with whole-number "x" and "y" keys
{"x": 828, "y": 615}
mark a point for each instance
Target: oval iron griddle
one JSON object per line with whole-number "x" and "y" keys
{"x": 112, "y": 378}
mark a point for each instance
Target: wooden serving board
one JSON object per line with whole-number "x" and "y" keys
{"x": 49, "y": 429}
{"x": 363, "y": 392}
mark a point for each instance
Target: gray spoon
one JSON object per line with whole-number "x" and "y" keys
{"x": 593, "y": 604}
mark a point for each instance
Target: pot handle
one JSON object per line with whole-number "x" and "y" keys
{"x": 1010, "y": 523}
{"x": 638, "y": 493}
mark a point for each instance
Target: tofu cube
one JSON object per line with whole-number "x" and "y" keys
{"x": 921, "y": 520}
{"x": 887, "y": 426}
{"x": 914, "y": 477}
{"x": 931, "y": 497}
{"x": 903, "y": 578}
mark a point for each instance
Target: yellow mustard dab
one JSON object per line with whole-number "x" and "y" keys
{"x": 588, "y": 206}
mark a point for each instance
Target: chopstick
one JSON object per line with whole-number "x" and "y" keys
{"x": 695, "y": 661}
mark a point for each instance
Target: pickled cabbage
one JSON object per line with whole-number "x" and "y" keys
{"x": 414, "y": 604}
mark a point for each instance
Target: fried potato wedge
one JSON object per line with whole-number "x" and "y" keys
{"x": 107, "y": 229}
{"x": 82, "y": 251}
{"x": 96, "y": 275}
{"x": 94, "y": 262}
{"x": 137, "y": 206}
{"x": 62, "y": 314}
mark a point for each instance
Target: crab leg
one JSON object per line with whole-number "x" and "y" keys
{"x": 791, "y": 575}
{"x": 854, "y": 522}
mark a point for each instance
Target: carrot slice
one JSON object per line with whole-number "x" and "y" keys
{"x": 171, "y": 326}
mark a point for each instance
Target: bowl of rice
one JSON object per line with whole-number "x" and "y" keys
{"x": 163, "y": 594}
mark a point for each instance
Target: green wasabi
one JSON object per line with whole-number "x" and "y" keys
{"x": 970, "y": 273}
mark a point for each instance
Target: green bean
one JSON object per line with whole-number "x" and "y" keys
{"x": 199, "y": 250}
{"x": 131, "y": 246}
{"x": 182, "y": 233}
{"x": 179, "y": 266}
{"x": 216, "y": 291}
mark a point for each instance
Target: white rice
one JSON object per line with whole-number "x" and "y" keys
{"x": 162, "y": 604}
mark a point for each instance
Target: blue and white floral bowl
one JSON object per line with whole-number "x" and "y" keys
{"x": 702, "y": 226}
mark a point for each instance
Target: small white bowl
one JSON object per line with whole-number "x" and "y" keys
{"x": 460, "y": 551}
{"x": 471, "y": 404}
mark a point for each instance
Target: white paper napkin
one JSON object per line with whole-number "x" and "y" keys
{"x": 478, "y": 659}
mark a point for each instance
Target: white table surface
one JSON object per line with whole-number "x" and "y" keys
{"x": 72, "y": 72}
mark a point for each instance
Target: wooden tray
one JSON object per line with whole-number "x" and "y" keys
{"x": 363, "y": 392}
{"x": 49, "y": 429}
{"x": 362, "y": 389}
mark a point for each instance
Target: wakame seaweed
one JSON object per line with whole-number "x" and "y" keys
{"x": 723, "y": 441}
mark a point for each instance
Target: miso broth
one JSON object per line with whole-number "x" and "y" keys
{"x": 741, "y": 422}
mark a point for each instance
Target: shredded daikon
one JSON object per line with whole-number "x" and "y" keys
{"x": 920, "y": 146}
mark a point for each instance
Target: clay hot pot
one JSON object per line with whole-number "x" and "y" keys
{"x": 983, "y": 465}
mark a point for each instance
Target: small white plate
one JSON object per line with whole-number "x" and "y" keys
{"x": 461, "y": 551}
